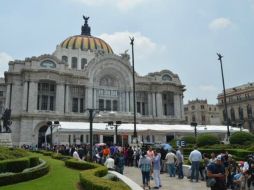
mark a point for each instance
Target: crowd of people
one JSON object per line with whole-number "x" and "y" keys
{"x": 221, "y": 170}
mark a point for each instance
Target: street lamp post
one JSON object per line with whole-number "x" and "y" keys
{"x": 134, "y": 90}
{"x": 224, "y": 94}
{"x": 194, "y": 124}
{"x": 92, "y": 112}
{"x": 116, "y": 125}
{"x": 52, "y": 125}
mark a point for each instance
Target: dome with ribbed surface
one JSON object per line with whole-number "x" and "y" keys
{"x": 86, "y": 42}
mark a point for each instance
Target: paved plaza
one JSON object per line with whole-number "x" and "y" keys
{"x": 168, "y": 183}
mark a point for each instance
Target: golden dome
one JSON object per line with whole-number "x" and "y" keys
{"x": 86, "y": 42}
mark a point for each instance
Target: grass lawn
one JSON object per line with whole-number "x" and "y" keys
{"x": 58, "y": 178}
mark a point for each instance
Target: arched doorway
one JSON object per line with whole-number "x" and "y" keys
{"x": 41, "y": 136}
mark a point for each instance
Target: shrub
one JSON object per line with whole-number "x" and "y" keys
{"x": 60, "y": 157}
{"x": 15, "y": 165}
{"x": 207, "y": 139}
{"x": 241, "y": 137}
{"x": 12, "y": 153}
{"x": 190, "y": 140}
{"x": 92, "y": 179}
{"x": 34, "y": 161}
{"x": 28, "y": 174}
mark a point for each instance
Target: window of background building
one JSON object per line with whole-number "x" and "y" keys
{"x": 186, "y": 118}
{"x": 138, "y": 107}
{"x": 193, "y": 118}
{"x": 202, "y": 107}
{"x": 74, "y": 63}
{"x": 203, "y": 119}
{"x": 210, "y": 109}
{"x": 186, "y": 109}
{"x": 78, "y": 95}
{"x": 1, "y": 93}
{"x": 193, "y": 107}
{"x": 108, "y": 105}
{"x": 232, "y": 113}
{"x": 115, "y": 105}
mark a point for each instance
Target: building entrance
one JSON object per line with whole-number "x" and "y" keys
{"x": 41, "y": 136}
{"x": 108, "y": 139}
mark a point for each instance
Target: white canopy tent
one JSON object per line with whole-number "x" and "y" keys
{"x": 83, "y": 127}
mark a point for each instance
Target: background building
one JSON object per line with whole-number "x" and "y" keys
{"x": 240, "y": 103}
{"x": 201, "y": 112}
{"x": 82, "y": 73}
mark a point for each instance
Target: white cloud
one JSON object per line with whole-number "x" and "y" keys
{"x": 208, "y": 88}
{"x": 220, "y": 23}
{"x": 4, "y": 60}
{"x": 120, "y": 4}
{"x": 145, "y": 50}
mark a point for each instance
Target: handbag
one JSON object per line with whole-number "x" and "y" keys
{"x": 210, "y": 182}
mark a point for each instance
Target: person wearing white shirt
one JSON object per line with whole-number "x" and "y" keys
{"x": 76, "y": 155}
{"x": 195, "y": 158}
{"x": 110, "y": 163}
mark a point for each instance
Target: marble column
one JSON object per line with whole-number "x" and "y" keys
{"x": 94, "y": 98}
{"x": 89, "y": 95}
{"x": 131, "y": 101}
{"x": 7, "y": 100}
{"x": 33, "y": 95}
{"x": 127, "y": 101}
{"x": 59, "y": 98}
{"x": 159, "y": 104}
{"x": 149, "y": 104}
{"x": 177, "y": 106}
{"x": 67, "y": 99}
{"x": 24, "y": 98}
{"x": 129, "y": 139}
{"x": 101, "y": 138}
{"x": 154, "y": 105}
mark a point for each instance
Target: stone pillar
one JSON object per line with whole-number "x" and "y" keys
{"x": 149, "y": 104}
{"x": 131, "y": 101}
{"x": 129, "y": 139}
{"x": 154, "y": 105}
{"x": 59, "y": 98}
{"x": 89, "y": 97}
{"x": 182, "y": 106}
{"x": 114, "y": 138}
{"x": 101, "y": 138}
{"x": 177, "y": 106}
{"x": 159, "y": 104}
{"x": 94, "y": 98}
{"x": 33, "y": 95}
{"x": 139, "y": 138}
{"x": 7, "y": 99}
{"x": 67, "y": 99}
{"x": 24, "y": 98}
{"x": 127, "y": 102}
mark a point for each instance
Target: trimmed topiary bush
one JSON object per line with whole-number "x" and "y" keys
{"x": 207, "y": 139}
{"x": 15, "y": 165}
{"x": 27, "y": 174}
{"x": 241, "y": 137}
{"x": 34, "y": 161}
{"x": 190, "y": 140}
{"x": 12, "y": 153}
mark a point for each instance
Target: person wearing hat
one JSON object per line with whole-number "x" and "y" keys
{"x": 217, "y": 171}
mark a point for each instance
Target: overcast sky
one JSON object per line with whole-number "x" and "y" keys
{"x": 179, "y": 35}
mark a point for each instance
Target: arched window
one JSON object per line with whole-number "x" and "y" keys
{"x": 249, "y": 111}
{"x": 166, "y": 78}
{"x": 232, "y": 113}
{"x": 74, "y": 63}
{"x": 240, "y": 112}
{"x": 83, "y": 63}
{"x": 65, "y": 59}
{"x": 193, "y": 118}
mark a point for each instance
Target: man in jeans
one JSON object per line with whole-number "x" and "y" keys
{"x": 145, "y": 164}
{"x": 179, "y": 163}
{"x": 195, "y": 158}
{"x": 156, "y": 169}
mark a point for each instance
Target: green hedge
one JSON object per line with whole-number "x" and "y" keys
{"x": 15, "y": 165}
{"x": 91, "y": 178}
{"x": 60, "y": 157}
{"x": 11, "y": 153}
{"x": 239, "y": 154}
{"x": 241, "y": 137}
{"x": 26, "y": 175}
{"x": 34, "y": 161}
{"x": 207, "y": 139}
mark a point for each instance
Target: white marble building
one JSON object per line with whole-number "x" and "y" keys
{"x": 82, "y": 73}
